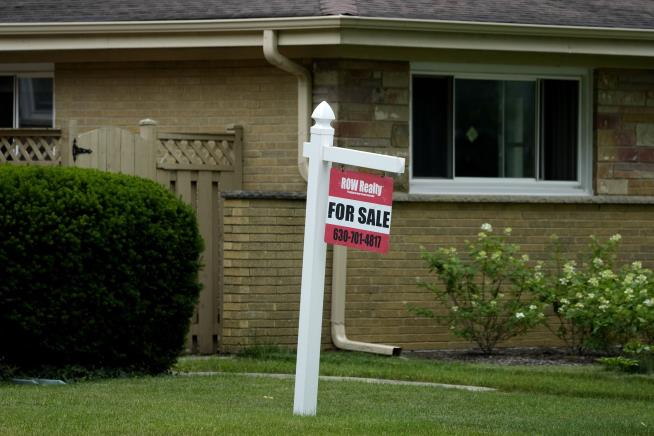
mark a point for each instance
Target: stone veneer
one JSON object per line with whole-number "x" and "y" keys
{"x": 625, "y": 132}
{"x": 371, "y": 103}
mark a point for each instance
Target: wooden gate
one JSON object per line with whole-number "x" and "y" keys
{"x": 194, "y": 166}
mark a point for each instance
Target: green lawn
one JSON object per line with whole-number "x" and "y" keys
{"x": 529, "y": 401}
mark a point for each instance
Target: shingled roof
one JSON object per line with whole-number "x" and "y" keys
{"x": 637, "y": 14}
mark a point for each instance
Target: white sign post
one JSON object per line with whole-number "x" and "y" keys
{"x": 321, "y": 154}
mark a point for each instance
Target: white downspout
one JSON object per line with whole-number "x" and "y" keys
{"x": 339, "y": 271}
{"x": 339, "y": 261}
{"x": 304, "y": 98}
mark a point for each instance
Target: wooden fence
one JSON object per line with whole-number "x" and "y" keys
{"x": 194, "y": 166}
{"x": 30, "y": 146}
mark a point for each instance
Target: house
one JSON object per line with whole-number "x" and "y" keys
{"x": 538, "y": 115}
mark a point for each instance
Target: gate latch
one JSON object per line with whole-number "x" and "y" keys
{"x": 79, "y": 150}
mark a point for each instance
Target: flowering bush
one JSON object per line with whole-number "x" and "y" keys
{"x": 491, "y": 295}
{"x": 599, "y": 305}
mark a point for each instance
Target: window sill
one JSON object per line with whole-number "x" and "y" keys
{"x": 524, "y": 199}
{"x": 497, "y": 187}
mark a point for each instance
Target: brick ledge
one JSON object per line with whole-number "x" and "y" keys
{"x": 422, "y": 198}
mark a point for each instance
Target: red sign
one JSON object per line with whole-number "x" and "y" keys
{"x": 359, "y": 210}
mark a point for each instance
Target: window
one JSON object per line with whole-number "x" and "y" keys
{"x": 501, "y": 132}
{"x": 26, "y": 101}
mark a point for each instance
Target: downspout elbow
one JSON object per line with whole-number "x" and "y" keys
{"x": 339, "y": 338}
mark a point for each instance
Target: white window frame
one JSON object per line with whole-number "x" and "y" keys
{"x": 511, "y": 186}
{"x": 22, "y": 71}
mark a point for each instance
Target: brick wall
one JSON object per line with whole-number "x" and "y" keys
{"x": 193, "y": 97}
{"x": 262, "y": 273}
{"x": 263, "y": 251}
{"x": 625, "y": 132}
{"x": 371, "y": 104}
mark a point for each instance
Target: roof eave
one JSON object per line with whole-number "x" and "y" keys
{"x": 328, "y": 30}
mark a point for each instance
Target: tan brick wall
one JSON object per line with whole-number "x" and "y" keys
{"x": 625, "y": 132}
{"x": 193, "y": 97}
{"x": 262, "y": 273}
{"x": 371, "y": 103}
{"x": 263, "y": 250}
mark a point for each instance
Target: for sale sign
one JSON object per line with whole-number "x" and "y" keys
{"x": 359, "y": 210}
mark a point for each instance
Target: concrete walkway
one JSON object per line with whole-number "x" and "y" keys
{"x": 350, "y": 379}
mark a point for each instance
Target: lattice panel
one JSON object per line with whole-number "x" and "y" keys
{"x": 29, "y": 149}
{"x": 196, "y": 152}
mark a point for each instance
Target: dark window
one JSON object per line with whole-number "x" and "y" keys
{"x": 489, "y": 128}
{"x": 6, "y": 101}
{"x": 432, "y": 126}
{"x": 560, "y": 106}
{"x": 35, "y": 102}
{"x": 33, "y": 106}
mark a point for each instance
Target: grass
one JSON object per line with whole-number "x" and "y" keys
{"x": 580, "y": 381}
{"x": 561, "y": 400}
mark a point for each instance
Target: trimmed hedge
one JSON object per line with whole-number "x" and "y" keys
{"x": 97, "y": 270}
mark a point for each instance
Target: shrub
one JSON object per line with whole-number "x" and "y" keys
{"x": 600, "y": 305}
{"x": 97, "y": 270}
{"x": 619, "y": 363}
{"x": 491, "y": 296}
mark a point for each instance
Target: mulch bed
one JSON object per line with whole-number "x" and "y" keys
{"x": 507, "y": 356}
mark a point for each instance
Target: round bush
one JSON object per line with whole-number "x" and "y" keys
{"x": 97, "y": 270}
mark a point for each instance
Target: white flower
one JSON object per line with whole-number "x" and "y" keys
{"x": 533, "y": 307}
{"x": 481, "y": 254}
{"x": 579, "y": 305}
{"x": 591, "y": 295}
{"x": 508, "y": 230}
{"x": 628, "y": 279}
{"x": 525, "y": 257}
{"x": 636, "y": 265}
{"x": 455, "y": 308}
{"x": 628, "y": 291}
{"x": 569, "y": 268}
{"x": 563, "y": 281}
{"x": 593, "y": 281}
{"x": 603, "y": 307}
{"x": 565, "y": 301}
{"x": 579, "y": 295}
{"x": 496, "y": 255}
{"x": 481, "y": 235}
{"x": 649, "y": 302}
{"x": 615, "y": 238}
{"x": 487, "y": 227}
{"x": 538, "y": 276}
{"x": 500, "y": 295}
{"x": 519, "y": 315}
{"x": 641, "y": 279}
{"x": 604, "y": 300}
{"x": 493, "y": 303}
{"x": 597, "y": 262}
{"x": 607, "y": 274}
